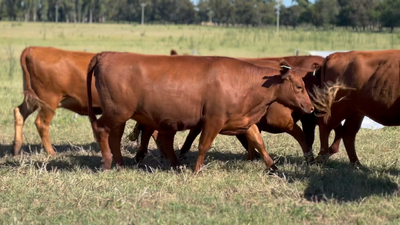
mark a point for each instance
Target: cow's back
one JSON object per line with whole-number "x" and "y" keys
{"x": 184, "y": 87}
{"x": 374, "y": 77}
{"x": 60, "y": 75}
{"x": 58, "y": 66}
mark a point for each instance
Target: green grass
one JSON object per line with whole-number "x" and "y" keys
{"x": 70, "y": 189}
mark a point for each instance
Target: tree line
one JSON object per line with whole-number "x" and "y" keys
{"x": 356, "y": 14}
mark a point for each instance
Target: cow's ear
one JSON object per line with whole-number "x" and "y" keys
{"x": 285, "y": 68}
{"x": 173, "y": 52}
{"x": 315, "y": 68}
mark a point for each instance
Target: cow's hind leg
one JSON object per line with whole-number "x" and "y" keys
{"x": 243, "y": 140}
{"x": 159, "y": 145}
{"x": 324, "y": 153}
{"x": 144, "y": 144}
{"x": 115, "y": 144}
{"x": 309, "y": 122}
{"x": 42, "y": 123}
{"x": 324, "y": 131}
{"x": 167, "y": 145}
{"x": 188, "y": 142}
{"x": 208, "y": 135}
{"x": 298, "y": 134}
{"x": 336, "y": 142}
{"x": 254, "y": 138}
{"x": 350, "y": 130}
{"x": 21, "y": 113}
{"x": 102, "y": 129}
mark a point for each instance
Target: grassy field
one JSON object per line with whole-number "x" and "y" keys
{"x": 70, "y": 189}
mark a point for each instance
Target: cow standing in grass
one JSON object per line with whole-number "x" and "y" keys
{"x": 53, "y": 78}
{"x": 278, "y": 118}
{"x": 170, "y": 94}
{"x": 372, "y": 81}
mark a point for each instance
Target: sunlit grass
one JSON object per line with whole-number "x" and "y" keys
{"x": 69, "y": 189}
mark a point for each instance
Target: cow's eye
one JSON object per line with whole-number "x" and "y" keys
{"x": 299, "y": 87}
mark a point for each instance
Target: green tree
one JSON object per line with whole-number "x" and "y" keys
{"x": 267, "y": 15}
{"x": 223, "y": 11}
{"x": 291, "y": 15}
{"x": 390, "y": 13}
{"x": 185, "y": 13}
{"x": 357, "y": 13}
{"x": 324, "y": 12}
{"x": 247, "y": 12}
{"x": 203, "y": 9}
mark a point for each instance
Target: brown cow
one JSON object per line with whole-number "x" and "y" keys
{"x": 52, "y": 78}
{"x": 278, "y": 118}
{"x": 374, "y": 79}
{"x": 169, "y": 94}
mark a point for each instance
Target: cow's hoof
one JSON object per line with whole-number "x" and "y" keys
{"x": 182, "y": 157}
{"x": 311, "y": 162}
{"x": 53, "y": 154}
{"x": 139, "y": 158}
{"x": 15, "y": 153}
{"x": 322, "y": 159}
{"x": 332, "y": 151}
{"x": 106, "y": 166}
{"x": 309, "y": 158}
{"x": 273, "y": 170}
{"x": 357, "y": 165}
{"x": 120, "y": 166}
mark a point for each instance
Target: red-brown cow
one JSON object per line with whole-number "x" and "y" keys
{"x": 372, "y": 81}
{"x": 52, "y": 78}
{"x": 169, "y": 94}
{"x": 278, "y": 118}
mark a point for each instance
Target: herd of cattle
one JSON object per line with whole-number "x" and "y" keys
{"x": 210, "y": 95}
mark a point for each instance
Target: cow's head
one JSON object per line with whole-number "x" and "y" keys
{"x": 293, "y": 91}
{"x": 311, "y": 77}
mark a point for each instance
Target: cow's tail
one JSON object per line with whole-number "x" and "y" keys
{"x": 137, "y": 130}
{"x": 31, "y": 99}
{"x": 92, "y": 65}
{"x": 324, "y": 96}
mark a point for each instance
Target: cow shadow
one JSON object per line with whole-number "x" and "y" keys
{"x": 60, "y": 162}
{"x": 339, "y": 180}
{"x": 336, "y": 180}
{"x": 6, "y": 150}
{"x": 345, "y": 184}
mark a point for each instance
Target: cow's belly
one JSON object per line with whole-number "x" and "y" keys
{"x": 169, "y": 118}
{"x": 240, "y": 124}
{"x": 386, "y": 119}
{"x": 73, "y": 105}
{"x": 386, "y": 113}
{"x": 379, "y": 99}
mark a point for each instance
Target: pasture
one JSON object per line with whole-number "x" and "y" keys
{"x": 70, "y": 189}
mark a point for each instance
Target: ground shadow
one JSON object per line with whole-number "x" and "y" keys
{"x": 335, "y": 180}
{"x": 36, "y": 148}
{"x": 346, "y": 183}
{"x": 341, "y": 181}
